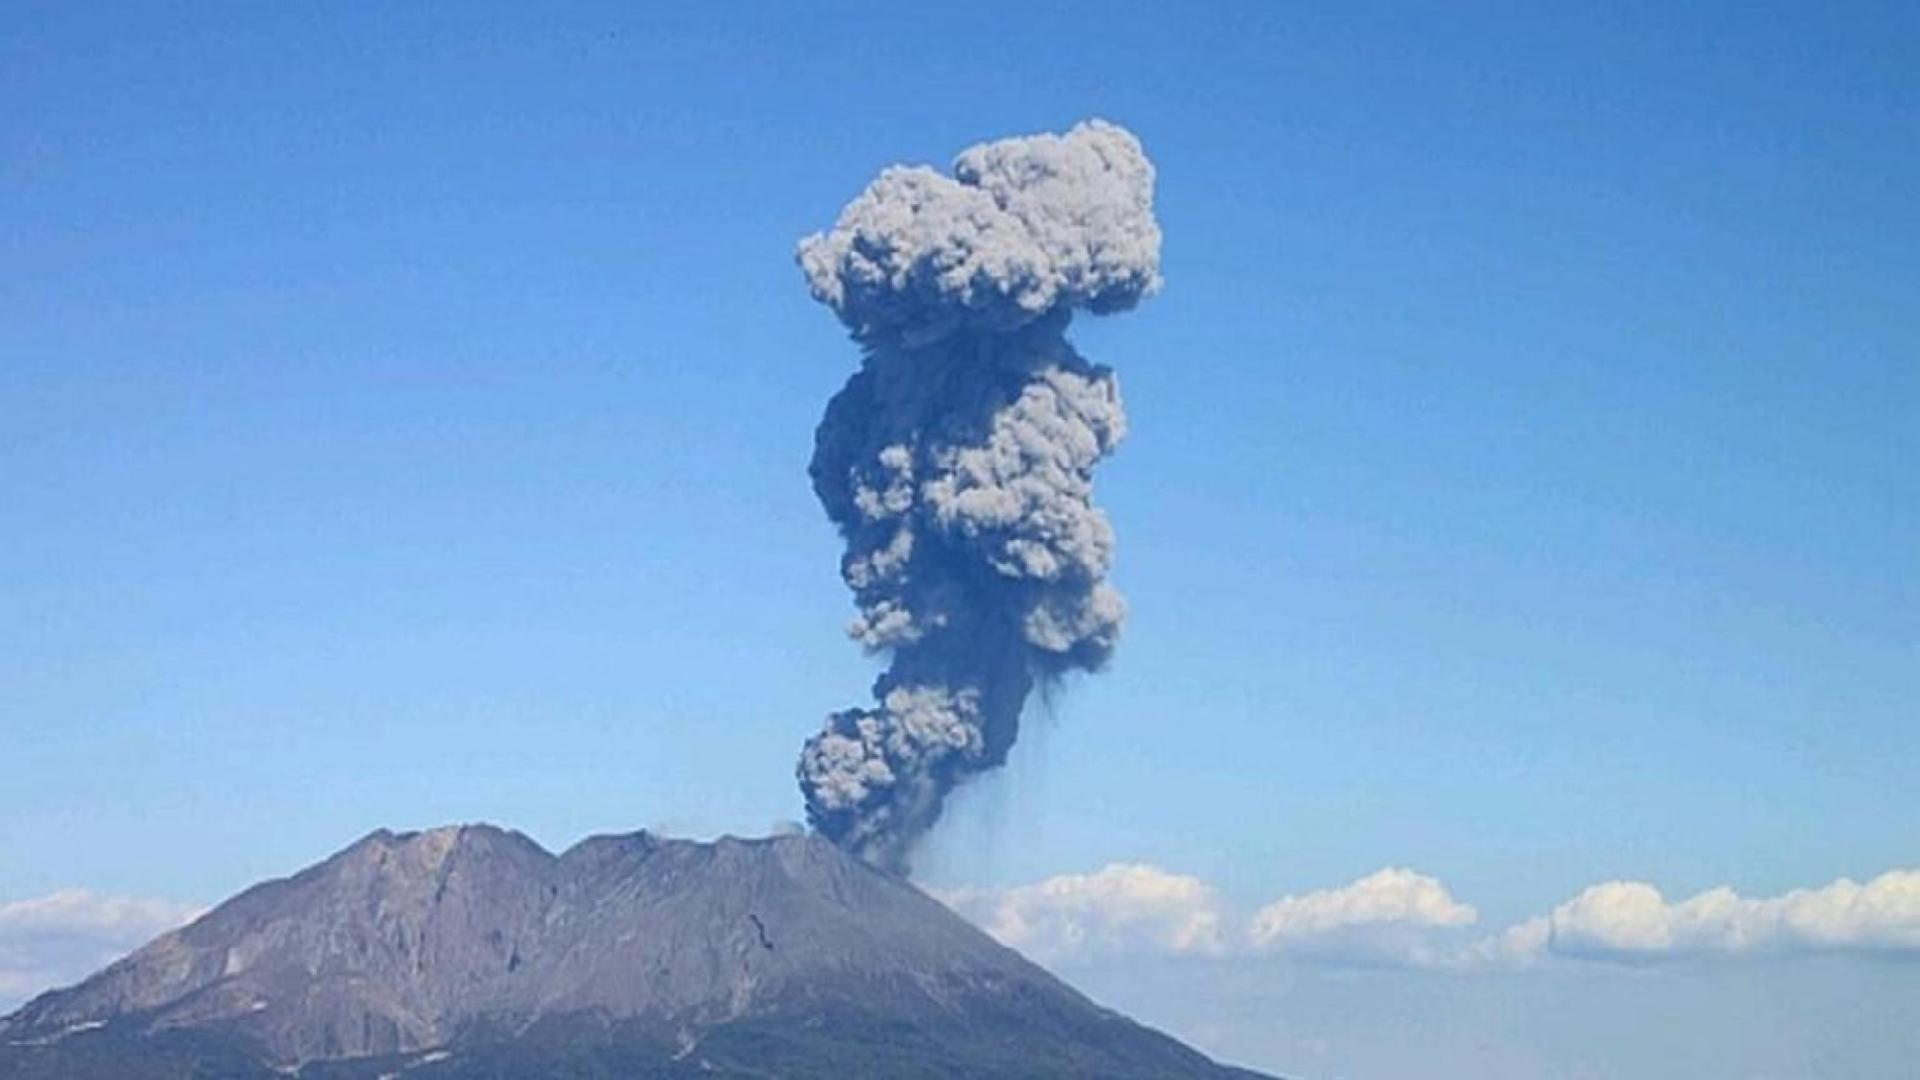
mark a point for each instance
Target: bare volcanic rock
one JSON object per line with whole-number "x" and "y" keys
{"x": 473, "y": 952}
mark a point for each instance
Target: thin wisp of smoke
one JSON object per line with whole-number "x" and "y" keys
{"x": 958, "y": 462}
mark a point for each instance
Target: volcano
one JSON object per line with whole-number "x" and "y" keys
{"x": 471, "y": 951}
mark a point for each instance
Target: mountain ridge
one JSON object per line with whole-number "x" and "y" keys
{"x": 462, "y": 950}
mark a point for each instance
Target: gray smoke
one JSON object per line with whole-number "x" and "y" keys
{"x": 958, "y": 462}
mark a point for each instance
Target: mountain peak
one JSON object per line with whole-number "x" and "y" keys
{"x": 462, "y": 943}
{"x": 437, "y": 843}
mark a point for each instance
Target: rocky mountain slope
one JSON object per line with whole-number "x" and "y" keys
{"x": 473, "y": 952}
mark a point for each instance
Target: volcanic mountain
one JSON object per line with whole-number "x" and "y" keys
{"x": 473, "y": 952}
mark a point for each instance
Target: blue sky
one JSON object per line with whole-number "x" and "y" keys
{"x": 404, "y": 418}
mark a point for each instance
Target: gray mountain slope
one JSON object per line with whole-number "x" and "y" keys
{"x": 472, "y": 951}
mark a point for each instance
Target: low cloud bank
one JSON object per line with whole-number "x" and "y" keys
{"x": 64, "y": 936}
{"x": 1126, "y": 907}
{"x": 1401, "y": 917}
{"x": 1633, "y": 918}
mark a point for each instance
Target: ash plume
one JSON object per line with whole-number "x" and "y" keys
{"x": 958, "y": 462}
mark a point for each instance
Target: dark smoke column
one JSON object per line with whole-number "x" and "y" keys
{"x": 958, "y": 462}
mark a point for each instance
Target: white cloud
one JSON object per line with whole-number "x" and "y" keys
{"x": 1521, "y": 945}
{"x": 1632, "y": 918}
{"x": 64, "y": 936}
{"x": 1400, "y": 916}
{"x": 82, "y": 913}
{"x": 1385, "y": 915}
{"x": 1124, "y": 907}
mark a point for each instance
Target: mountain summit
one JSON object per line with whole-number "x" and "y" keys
{"x": 473, "y": 952}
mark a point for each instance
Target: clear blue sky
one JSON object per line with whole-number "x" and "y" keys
{"x": 404, "y": 418}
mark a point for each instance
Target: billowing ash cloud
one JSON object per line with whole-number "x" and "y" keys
{"x": 958, "y": 462}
